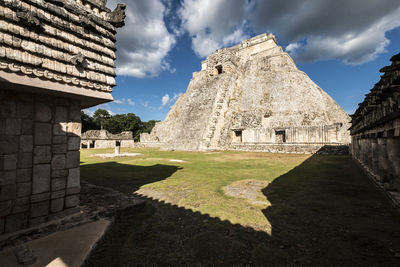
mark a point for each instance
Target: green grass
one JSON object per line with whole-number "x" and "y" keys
{"x": 195, "y": 184}
{"x": 323, "y": 211}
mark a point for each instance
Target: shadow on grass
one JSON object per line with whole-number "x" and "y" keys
{"x": 125, "y": 178}
{"x": 324, "y": 212}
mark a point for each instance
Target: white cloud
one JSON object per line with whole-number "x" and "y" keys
{"x": 144, "y": 42}
{"x": 120, "y": 102}
{"x": 213, "y": 23}
{"x": 89, "y": 111}
{"x": 352, "y": 31}
{"x": 130, "y": 102}
{"x": 166, "y": 100}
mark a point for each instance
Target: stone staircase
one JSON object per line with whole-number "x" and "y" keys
{"x": 220, "y": 106}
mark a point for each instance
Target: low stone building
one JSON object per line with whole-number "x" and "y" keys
{"x": 252, "y": 97}
{"x": 104, "y": 139}
{"x": 56, "y": 57}
{"x": 375, "y": 129}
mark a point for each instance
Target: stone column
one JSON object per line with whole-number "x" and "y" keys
{"x": 393, "y": 148}
{"x": 383, "y": 159}
{"x": 374, "y": 155}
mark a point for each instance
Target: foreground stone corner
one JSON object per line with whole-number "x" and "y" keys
{"x": 56, "y": 57}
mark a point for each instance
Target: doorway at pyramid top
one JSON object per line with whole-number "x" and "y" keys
{"x": 218, "y": 69}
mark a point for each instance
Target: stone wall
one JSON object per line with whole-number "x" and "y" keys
{"x": 39, "y": 158}
{"x": 375, "y": 129}
{"x": 104, "y": 139}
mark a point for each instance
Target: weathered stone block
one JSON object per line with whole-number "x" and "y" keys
{"x": 22, "y": 201}
{"x": 37, "y": 221}
{"x": 41, "y": 179}
{"x": 2, "y": 126}
{"x": 8, "y": 177}
{"x": 2, "y": 222}
{"x": 57, "y": 205}
{"x": 43, "y": 112}
{"x": 61, "y": 102}
{"x": 59, "y": 173}
{"x": 60, "y": 139}
{"x": 20, "y": 209}
{"x": 5, "y": 208}
{"x": 42, "y": 154}
{"x": 57, "y": 194}
{"x": 8, "y": 109}
{"x": 74, "y": 129}
{"x": 9, "y": 144}
{"x": 74, "y": 143}
{"x": 71, "y": 201}
{"x": 60, "y": 149}
{"x": 25, "y": 110}
{"x": 73, "y": 190}
{"x": 61, "y": 114}
{"x": 75, "y": 112}
{"x": 40, "y": 197}
{"x": 42, "y": 134}
{"x": 26, "y": 143}
{"x": 58, "y": 184}
{"x": 16, "y": 222}
{"x": 60, "y": 128}
{"x": 24, "y": 175}
{"x": 40, "y": 209}
{"x": 25, "y": 160}
{"x": 27, "y": 127}
{"x": 73, "y": 177}
{"x": 23, "y": 189}
{"x": 8, "y": 192}
{"x": 10, "y": 162}
{"x": 73, "y": 159}
{"x": 13, "y": 126}
{"x": 58, "y": 162}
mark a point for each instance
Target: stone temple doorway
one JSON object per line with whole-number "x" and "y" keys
{"x": 237, "y": 136}
{"x": 280, "y": 136}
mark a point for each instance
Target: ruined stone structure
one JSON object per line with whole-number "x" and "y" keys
{"x": 56, "y": 57}
{"x": 104, "y": 139}
{"x": 252, "y": 97}
{"x": 375, "y": 129}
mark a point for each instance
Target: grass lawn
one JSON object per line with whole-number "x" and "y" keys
{"x": 315, "y": 210}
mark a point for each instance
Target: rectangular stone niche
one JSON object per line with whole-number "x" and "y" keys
{"x": 39, "y": 158}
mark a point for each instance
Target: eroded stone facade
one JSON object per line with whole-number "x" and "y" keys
{"x": 104, "y": 139}
{"x": 252, "y": 97}
{"x": 56, "y": 57}
{"x": 375, "y": 129}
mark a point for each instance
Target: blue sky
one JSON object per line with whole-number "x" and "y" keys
{"x": 340, "y": 44}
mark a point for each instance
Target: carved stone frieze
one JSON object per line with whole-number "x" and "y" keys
{"x": 117, "y": 17}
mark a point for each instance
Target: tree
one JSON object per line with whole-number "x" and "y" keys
{"x": 88, "y": 122}
{"x": 100, "y": 116}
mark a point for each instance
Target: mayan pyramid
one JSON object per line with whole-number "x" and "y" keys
{"x": 252, "y": 97}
